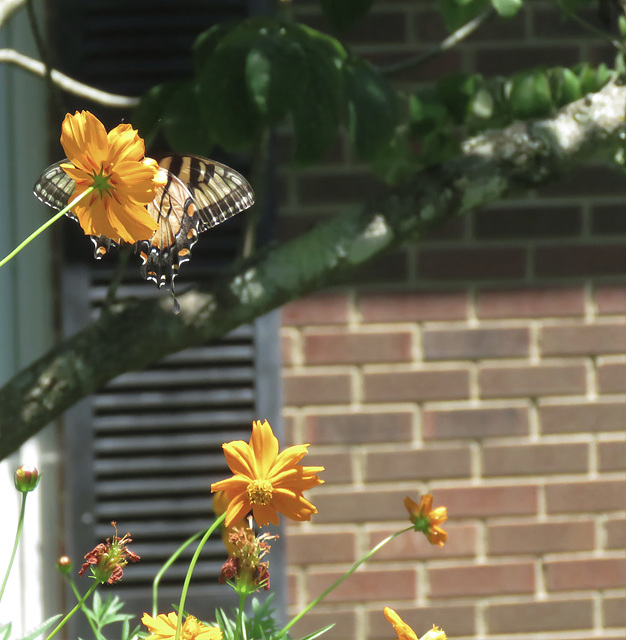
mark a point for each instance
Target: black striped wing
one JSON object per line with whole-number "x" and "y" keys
{"x": 199, "y": 194}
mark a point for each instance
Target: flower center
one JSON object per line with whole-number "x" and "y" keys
{"x": 260, "y": 492}
{"x": 101, "y": 182}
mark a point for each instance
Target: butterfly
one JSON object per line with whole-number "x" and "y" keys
{"x": 199, "y": 194}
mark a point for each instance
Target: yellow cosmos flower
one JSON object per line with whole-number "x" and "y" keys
{"x": 163, "y": 627}
{"x": 124, "y": 180}
{"x": 406, "y": 633}
{"x": 265, "y": 481}
{"x": 427, "y": 520}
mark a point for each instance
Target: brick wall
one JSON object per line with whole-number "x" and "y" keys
{"x": 487, "y": 366}
{"x": 509, "y": 406}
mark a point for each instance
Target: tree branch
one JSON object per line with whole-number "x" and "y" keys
{"x": 66, "y": 83}
{"x": 134, "y": 333}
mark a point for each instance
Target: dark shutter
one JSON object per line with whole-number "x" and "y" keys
{"x": 144, "y": 450}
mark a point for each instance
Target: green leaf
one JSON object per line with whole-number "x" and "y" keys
{"x": 427, "y": 112}
{"x": 592, "y": 79}
{"x": 206, "y": 43}
{"x": 456, "y": 13}
{"x": 482, "y": 105}
{"x": 182, "y": 121}
{"x": 342, "y": 14}
{"x": 147, "y": 115}
{"x": 317, "y": 110}
{"x": 5, "y": 631}
{"x": 530, "y": 95}
{"x": 372, "y": 107}
{"x": 507, "y": 8}
{"x": 226, "y": 106}
{"x": 276, "y": 72}
{"x": 456, "y": 91}
{"x": 38, "y": 630}
{"x": 565, "y": 86}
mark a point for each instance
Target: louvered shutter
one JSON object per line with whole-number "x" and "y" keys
{"x": 144, "y": 450}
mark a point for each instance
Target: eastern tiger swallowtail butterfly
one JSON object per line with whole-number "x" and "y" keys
{"x": 199, "y": 194}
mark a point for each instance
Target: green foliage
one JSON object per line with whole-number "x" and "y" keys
{"x": 456, "y": 13}
{"x": 372, "y": 107}
{"x": 106, "y": 612}
{"x": 264, "y": 71}
{"x": 530, "y": 95}
{"x": 5, "y": 629}
{"x": 342, "y": 14}
{"x": 507, "y": 8}
{"x": 261, "y": 624}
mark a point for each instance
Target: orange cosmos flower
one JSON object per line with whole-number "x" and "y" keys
{"x": 406, "y": 633}
{"x": 265, "y": 481}
{"x": 163, "y": 627}
{"x": 427, "y": 520}
{"x": 124, "y": 181}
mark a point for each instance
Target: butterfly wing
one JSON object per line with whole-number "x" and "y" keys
{"x": 199, "y": 194}
{"x": 218, "y": 191}
{"x": 170, "y": 246}
{"x": 55, "y": 188}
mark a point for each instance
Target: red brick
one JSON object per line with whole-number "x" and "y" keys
{"x": 575, "y": 575}
{"x": 342, "y": 347}
{"x": 384, "y": 268}
{"x": 484, "y": 502}
{"x": 580, "y": 497}
{"x": 416, "y": 386}
{"x": 502, "y": 382}
{"x": 611, "y": 299}
{"x": 614, "y": 611}
{"x": 337, "y": 188}
{"x": 418, "y": 464}
{"x": 579, "y": 340}
{"x": 482, "y": 580}
{"x": 527, "y": 221}
{"x": 548, "y": 23}
{"x": 529, "y": 617}
{"x": 469, "y": 264}
{"x": 413, "y": 306}
{"x": 492, "y": 61}
{"x": 535, "y": 459}
{"x": 615, "y": 533}
{"x": 365, "y": 585}
{"x": 320, "y": 548}
{"x": 612, "y": 377}
{"x": 358, "y": 428}
{"x": 475, "y": 423}
{"x": 288, "y": 349}
{"x": 304, "y": 389}
{"x": 337, "y": 465}
{"x": 475, "y": 344}
{"x": 588, "y": 180}
{"x": 612, "y": 455}
{"x": 359, "y": 506}
{"x": 323, "y": 308}
{"x": 582, "y": 418}
{"x": 462, "y": 543}
{"x": 344, "y": 620}
{"x": 538, "y": 302}
{"x": 539, "y": 538}
{"x": 580, "y": 260}
{"x": 458, "y": 620}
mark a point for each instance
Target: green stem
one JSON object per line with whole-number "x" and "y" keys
{"x": 165, "y": 567}
{"x": 44, "y": 226}
{"x": 241, "y": 632}
{"x": 18, "y": 534}
{"x": 192, "y": 566}
{"x": 92, "y": 624}
{"x": 78, "y": 605}
{"x": 348, "y": 573}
